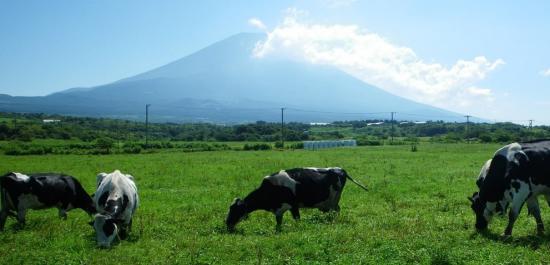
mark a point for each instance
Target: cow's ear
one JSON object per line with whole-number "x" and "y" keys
{"x": 471, "y": 199}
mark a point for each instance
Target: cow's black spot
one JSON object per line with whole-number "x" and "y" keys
{"x": 109, "y": 227}
{"x": 103, "y": 198}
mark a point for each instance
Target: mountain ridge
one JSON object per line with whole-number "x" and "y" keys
{"x": 224, "y": 82}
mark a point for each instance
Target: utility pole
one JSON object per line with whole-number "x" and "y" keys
{"x": 468, "y": 128}
{"x": 392, "y": 129}
{"x": 147, "y": 125}
{"x": 530, "y": 130}
{"x": 283, "y": 128}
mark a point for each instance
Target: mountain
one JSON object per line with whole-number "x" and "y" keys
{"x": 225, "y": 83}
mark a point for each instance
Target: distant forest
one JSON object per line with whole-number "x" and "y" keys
{"x": 105, "y": 133}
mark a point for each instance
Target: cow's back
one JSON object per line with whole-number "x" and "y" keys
{"x": 316, "y": 185}
{"x": 538, "y": 166}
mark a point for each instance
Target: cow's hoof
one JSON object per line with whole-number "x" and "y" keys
{"x": 506, "y": 237}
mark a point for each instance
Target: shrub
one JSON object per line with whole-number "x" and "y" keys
{"x": 299, "y": 145}
{"x": 105, "y": 144}
{"x": 262, "y": 146}
{"x": 279, "y": 144}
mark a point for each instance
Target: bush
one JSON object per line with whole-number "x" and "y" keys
{"x": 299, "y": 145}
{"x": 132, "y": 149}
{"x": 105, "y": 144}
{"x": 485, "y": 138}
{"x": 256, "y": 147}
{"x": 365, "y": 141}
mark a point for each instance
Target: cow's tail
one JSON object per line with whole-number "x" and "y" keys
{"x": 356, "y": 182}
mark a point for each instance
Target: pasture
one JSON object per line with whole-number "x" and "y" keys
{"x": 415, "y": 212}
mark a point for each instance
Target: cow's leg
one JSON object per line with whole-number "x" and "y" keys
{"x": 279, "y": 218}
{"x": 519, "y": 198}
{"x": 534, "y": 209}
{"x": 21, "y": 216}
{"x": 3, "y": 217}
{"x": 125, "y": 229}
{"x": 4, "y": 210}
{"x": 62, "y": 213}
{"x": 295, "y": 213}
{"x": 279, "y": 214}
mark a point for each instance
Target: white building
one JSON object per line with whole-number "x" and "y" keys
{"x": 315, "y": 145}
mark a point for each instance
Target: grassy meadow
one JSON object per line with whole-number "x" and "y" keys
{"x": 415, "y": 212}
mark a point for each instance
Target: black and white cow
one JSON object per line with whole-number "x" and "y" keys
{"x": 20, "y": 192}
{"x": 292, "y": 189}
{"x": 116, "y": 201}
{"x": 517, "y": 174}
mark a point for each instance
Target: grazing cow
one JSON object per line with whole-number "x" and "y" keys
{"x": 292, "y": 189}
{"x": 116, "y": 200}
{"x": 21, "y": 192}
{"x": 517, "y": 174}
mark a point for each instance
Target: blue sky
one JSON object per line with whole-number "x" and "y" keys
{"x": 49, "y": 46}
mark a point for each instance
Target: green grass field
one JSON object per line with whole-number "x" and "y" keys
{"x": 415, "y": 212}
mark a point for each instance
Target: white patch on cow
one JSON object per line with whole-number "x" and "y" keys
{"x": 21, "y": 177}
{"x": 485, "y": 169}
{"x": 319, "y": 169}
{"x": 28, "y": 201}
{"x": 282, "y": 179}
{"x": 489, "y": 211}
{"x": 510, "y": 151}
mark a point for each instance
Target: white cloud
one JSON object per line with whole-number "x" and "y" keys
{"x": 257, "y": 23}
{"x": 545, "y": 72}
{"x": 373, "y": 59}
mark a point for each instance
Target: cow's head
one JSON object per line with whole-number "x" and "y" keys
{"x": 483, "y": 214}
{"x": 106, "y": 230}
{"x": 237, "y": 212}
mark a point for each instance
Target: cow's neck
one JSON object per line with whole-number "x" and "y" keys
{"x": 255, "y": 201}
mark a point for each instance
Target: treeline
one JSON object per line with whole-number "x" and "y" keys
{"x": 26, "y": 127}
{"x": 440, "y": 131}
{"x": 92, "y": 131}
